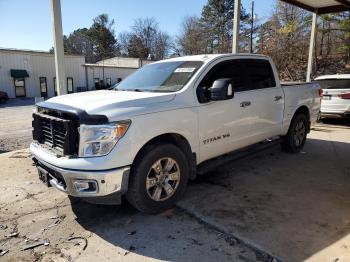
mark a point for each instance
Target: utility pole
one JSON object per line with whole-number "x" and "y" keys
{"x": 236, "y": 26}
{"x": 58, "y": 47}
{"x": 252, "y": 29}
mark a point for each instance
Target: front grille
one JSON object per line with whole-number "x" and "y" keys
{"x": 58, "y": 133}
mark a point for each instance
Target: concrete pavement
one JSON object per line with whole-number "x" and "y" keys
{"x": 295, "y": 207}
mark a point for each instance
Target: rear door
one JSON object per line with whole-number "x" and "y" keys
{"x": 267, "y": 100}
{"x": 224, "y": 125}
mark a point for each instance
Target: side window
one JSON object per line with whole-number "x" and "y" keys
{"x": 260, "y": 74}
{"x": 234, "y": 69}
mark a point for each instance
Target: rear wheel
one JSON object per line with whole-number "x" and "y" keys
{"x": 158, "y": 178}
{"x": 295, "y": 139}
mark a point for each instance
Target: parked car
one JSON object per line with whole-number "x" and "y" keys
{"x": 3, "y": 97}
{"x": 145, "y": 138}
{"x": 336, "y": 95}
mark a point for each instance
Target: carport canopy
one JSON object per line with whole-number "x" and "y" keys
{"x": 321, "y": 6}
{"x": 316, "y": 6}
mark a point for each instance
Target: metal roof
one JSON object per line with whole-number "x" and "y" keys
{"x": 321, "y": 6}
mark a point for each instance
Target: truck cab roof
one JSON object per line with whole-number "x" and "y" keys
{"x": 210, "y": 57}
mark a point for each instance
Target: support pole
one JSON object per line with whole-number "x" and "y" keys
{"x": 311, "y": 47}
{"x": 236, "y": 26}
{"x": 252, "y": 30}
{"x": 58, "y": 47}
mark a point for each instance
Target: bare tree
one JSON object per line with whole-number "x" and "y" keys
{"x": 193, "y": 38}
{"x": 145, "y": 39}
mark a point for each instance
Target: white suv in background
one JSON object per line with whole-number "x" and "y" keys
{"x": 336, "y": 95}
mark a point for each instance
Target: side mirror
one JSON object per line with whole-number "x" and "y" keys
{"x": 222, "y": 89}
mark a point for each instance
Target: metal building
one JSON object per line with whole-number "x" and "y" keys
{"x": 106, "y": 73}
{"x": 28, "y": 73}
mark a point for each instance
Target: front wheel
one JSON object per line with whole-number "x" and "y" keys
{"x": 158, "y": 178}
{"x": 295, "y": 139}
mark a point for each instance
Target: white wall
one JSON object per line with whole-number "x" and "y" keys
{"x": 37, "y": 64}
{"x": 109, "y": 72}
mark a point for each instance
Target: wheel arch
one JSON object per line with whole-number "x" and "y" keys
{"x": 177, "y": 140}
{"x": 303, "y": 109}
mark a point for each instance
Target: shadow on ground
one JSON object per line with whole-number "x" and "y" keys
{"x": 171, "y": 235}
{"x": 295, "y": 207}
{"x": 341, "y": 122}
{"x": 16, "y": 102}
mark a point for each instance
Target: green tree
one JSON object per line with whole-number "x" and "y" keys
{"x": 95, "y": 43}
{"x": 80, "y": 43}
{"x": 103, "y": 38}
{"x": 216, "y": 19}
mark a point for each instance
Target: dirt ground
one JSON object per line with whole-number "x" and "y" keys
{"x": 15, "y": 124}
{"x": 264, "y": 205}
{"x": 31, "y": 213}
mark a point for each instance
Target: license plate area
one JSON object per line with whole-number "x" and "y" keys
{"x": 327, "y": 97}
{"x": 44, "y": 176}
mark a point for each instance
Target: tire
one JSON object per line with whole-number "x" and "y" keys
{"x": 295, "y": 139}
{"x": 145, "y": 196}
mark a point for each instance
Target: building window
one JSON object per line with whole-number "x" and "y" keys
{"x": 108, "y": 82}
{"x": 43, "y": 86}
{"x": 20, "y": 88}
{"x": 97, "y": 83}
{"x": 70, "y": 85}
{"x": 54, "y": 86}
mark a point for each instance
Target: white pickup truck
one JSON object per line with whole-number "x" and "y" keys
{"x": 146, "y": 137}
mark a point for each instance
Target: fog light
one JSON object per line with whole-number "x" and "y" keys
{"x": 85, "y": 186}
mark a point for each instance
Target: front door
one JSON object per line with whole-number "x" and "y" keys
{"x": 43, "y": 86}
{"x": 20, "y": 88}
{"x": 224, "y": 125}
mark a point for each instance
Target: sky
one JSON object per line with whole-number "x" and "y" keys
{"x": 27, "y": 24}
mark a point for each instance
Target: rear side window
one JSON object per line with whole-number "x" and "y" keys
{"x": 334, "y": 83}
{"x": 260, "y": 74}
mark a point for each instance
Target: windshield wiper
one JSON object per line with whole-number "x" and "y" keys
{"x": 134, "y": 90}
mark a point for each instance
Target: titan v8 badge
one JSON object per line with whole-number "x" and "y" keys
{"x": 213, "y": 139}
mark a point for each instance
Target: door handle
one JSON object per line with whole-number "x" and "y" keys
{"x": 277, "y": 98}
{"x": 245, "y": 103}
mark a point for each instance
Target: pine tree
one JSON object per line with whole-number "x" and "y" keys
{"x": 217, "y": 21}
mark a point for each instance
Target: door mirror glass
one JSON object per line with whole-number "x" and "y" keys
{"x": 222, "y": 89}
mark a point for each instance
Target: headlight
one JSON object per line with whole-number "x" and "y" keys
{"x": 99, "y": 140}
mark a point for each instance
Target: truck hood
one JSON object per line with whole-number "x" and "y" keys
{"x": 114, "y": 104}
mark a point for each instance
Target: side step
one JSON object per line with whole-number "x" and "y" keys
{"x": 212, "y": 164}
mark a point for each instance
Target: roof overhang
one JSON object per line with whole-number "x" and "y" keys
{"x": 108, "y": 66}
{"x": 19, "y": 73}
{"x": 321, "y": 6}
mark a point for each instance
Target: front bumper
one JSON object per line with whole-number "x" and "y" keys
{"x": 105, "y": 183}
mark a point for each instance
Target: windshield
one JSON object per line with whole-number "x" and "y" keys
{"x": 334, "y": 83}
{"x": 160, "y": 77}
